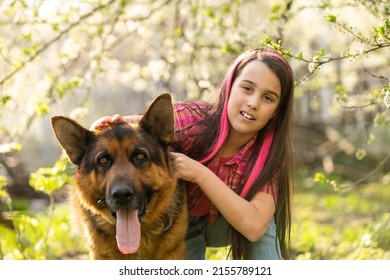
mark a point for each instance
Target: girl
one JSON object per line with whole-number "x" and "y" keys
{"x": 236, "y": 158}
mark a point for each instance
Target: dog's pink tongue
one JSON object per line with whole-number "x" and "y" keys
{"x": 128, "y": 231}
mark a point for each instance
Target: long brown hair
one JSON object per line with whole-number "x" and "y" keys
{"x": 278, "y": 168}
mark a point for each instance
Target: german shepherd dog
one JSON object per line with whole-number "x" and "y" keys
{"x": 127, "y": 200}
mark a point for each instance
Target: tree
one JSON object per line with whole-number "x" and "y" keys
{"x": 61, "y": 57}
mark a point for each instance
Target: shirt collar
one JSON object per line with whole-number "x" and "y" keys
{"x": 237, "y": 158}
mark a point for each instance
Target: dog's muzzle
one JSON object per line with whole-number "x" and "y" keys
{"x": 123, "y": 195}
{"x": 128, "y": 206}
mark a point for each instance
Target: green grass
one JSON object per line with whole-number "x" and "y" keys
{"x": 353, "y": 223}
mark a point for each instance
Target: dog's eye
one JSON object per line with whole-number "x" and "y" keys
{"x": 139, "y": 157}
{"x": 104, "y": 160}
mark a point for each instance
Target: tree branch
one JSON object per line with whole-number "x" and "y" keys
{"x": 366, "y": 176}
{"x": 318, "y": 64}
{"x": 55, "y": 39}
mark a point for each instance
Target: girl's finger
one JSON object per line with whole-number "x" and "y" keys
{"x": 100, "y": 123}
{"x": 117, "y": 119}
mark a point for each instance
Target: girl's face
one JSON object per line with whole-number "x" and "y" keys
{"x": 254, "y": 99}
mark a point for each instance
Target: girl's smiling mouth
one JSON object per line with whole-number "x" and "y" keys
{"x": 247, "y": 116}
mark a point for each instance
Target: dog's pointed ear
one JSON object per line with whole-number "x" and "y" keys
{"x": 72, "y": 137}
{"x": 158, "y": 120}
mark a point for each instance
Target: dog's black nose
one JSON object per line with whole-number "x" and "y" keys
{"x": 122, "y": 194}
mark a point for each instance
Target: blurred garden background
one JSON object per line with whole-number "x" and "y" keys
{"x": 90, "y": 58}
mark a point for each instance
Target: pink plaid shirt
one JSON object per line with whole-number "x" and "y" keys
{"x": 229, "y": 170}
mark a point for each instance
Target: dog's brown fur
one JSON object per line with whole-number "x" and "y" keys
{"x": 133, "y": 160}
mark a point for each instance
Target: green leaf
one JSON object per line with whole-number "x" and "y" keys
{"x": 226, "y": 9}
{"x": 342, "y": 94}
{"x": 360, "y": 154}
{"x": 27, "y": 36}
{"x": 179, "y": 31}
{"x": 52, "y": 178}
{"x": 323, "y": 179}
{"x": 319, "y": 177}
{"x": 42, "y": 108}
{"x": 276, "y": 8}
{"x": 3, "y": 181}
{"x": 210, "y": 12}
{"x": 331, "y": 18}
{"x": 10, "y": 147}
{"x": 55, "y": 26}
{"x": 299, "y": 56}
{"x": 381, "y": 119}
{"x": 371, "y": 139}
{"x": 266, "y": 41}
{"x": 5, "y": 99}
{"x": 67, "y": 87}
{"x": 229, "y": 49}
{"x": 4, "y": 195}
{"x": 386, "y": 96}
{"x": 123, "y": 3}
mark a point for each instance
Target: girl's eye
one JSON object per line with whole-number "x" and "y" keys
{"x": 268, "y": 98}
{"x": 247, "y": 89}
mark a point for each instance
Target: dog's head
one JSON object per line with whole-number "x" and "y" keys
{"x": 122, "y": 169}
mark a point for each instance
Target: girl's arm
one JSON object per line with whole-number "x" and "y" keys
{"x": 250, "y": 218}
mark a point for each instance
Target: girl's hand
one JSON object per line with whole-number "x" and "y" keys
{"x": 107, "y": 121}
{"x": 187, "y": 168}
{"x": 115, "y": 119}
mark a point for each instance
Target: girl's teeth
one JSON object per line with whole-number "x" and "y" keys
{"x": 247, "y": 116}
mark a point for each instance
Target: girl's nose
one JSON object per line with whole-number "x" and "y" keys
{"x": 253, "y": 102}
